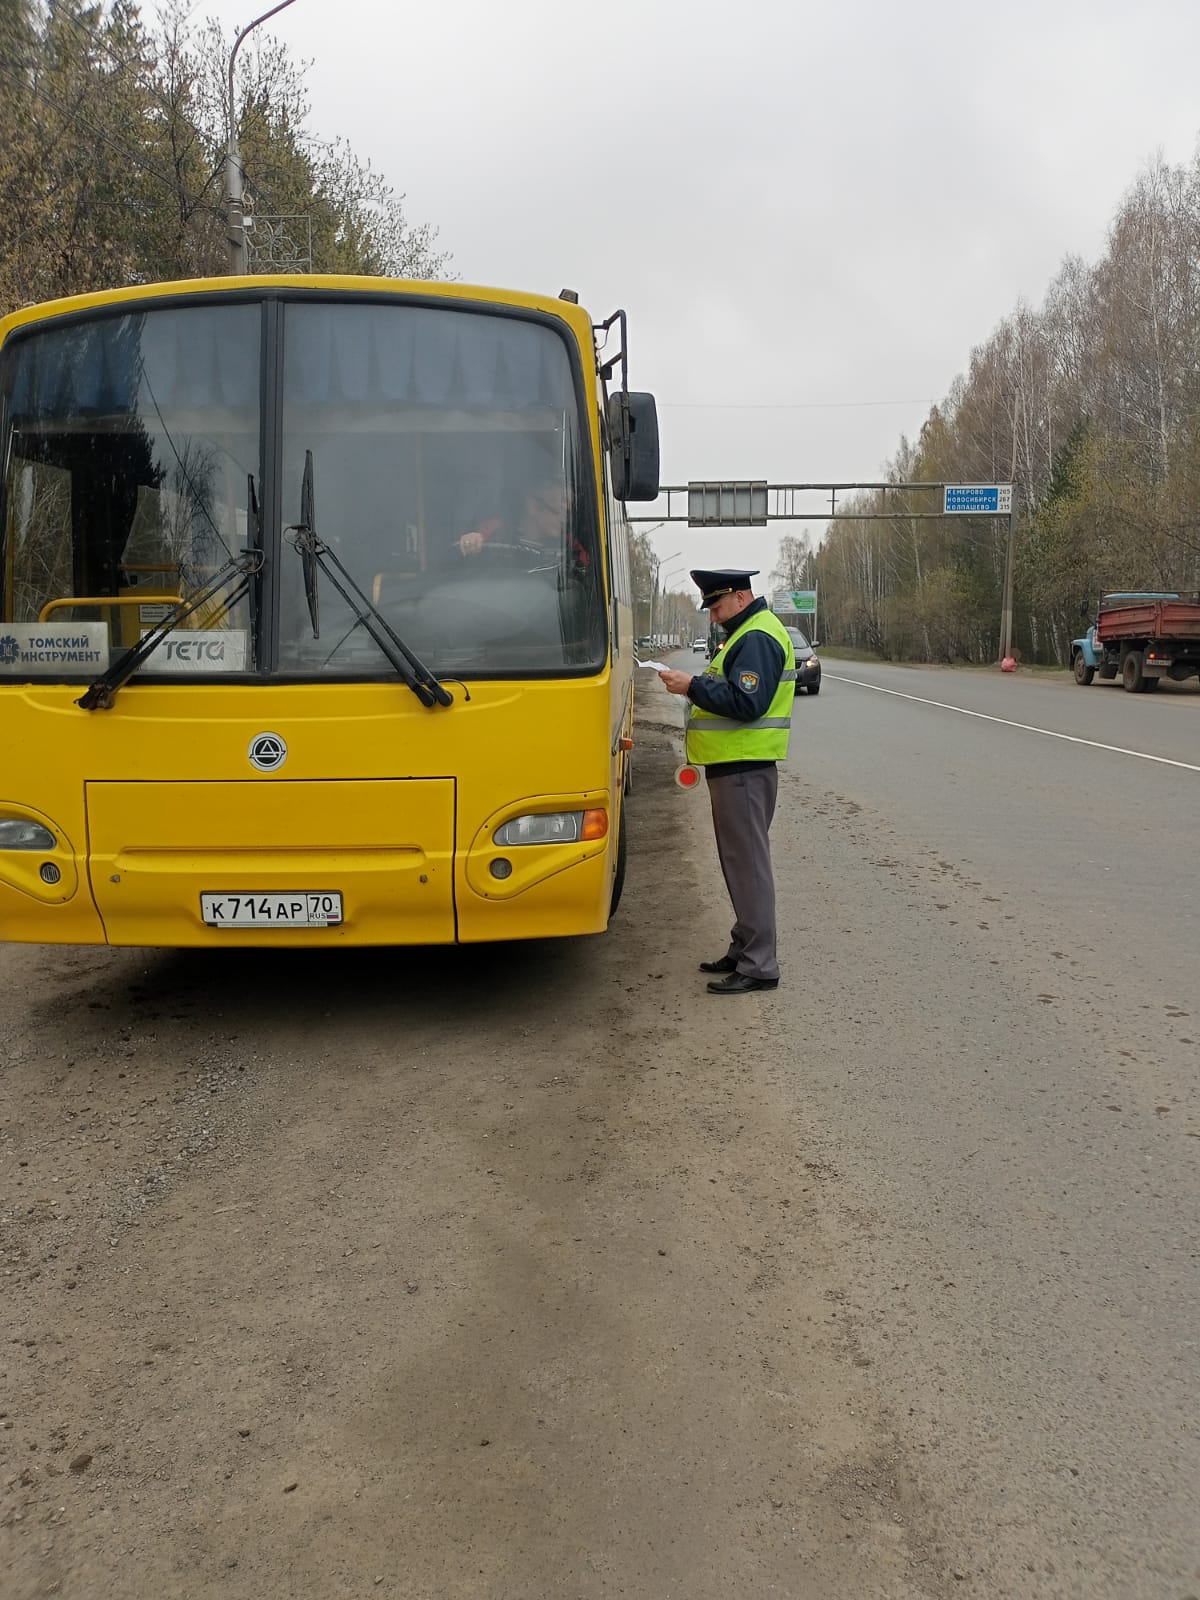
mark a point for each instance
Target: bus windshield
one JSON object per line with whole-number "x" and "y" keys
{"x": 449, "y": 476}
{"x": 451, "y": 479}
{"x": 130, "y": 450}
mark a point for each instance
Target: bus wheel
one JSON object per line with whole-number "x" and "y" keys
{"x": 619, "y": 879}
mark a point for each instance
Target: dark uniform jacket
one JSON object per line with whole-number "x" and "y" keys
{"x": 755, "y": 652}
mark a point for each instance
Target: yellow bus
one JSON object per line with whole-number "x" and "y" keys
{"x": 315, "y": 614}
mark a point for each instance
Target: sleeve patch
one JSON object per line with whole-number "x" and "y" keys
{"x": 748, "y": 681}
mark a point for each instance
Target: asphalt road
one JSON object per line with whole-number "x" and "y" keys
{"x": 996, "y": 954}
{"x": 523, "y": 1273}
{"x": 1083, "y": 802}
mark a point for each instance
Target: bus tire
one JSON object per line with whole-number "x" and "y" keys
{"x": 619, "y": 879}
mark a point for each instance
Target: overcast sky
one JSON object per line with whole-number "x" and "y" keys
{"x": 811, "y": 214}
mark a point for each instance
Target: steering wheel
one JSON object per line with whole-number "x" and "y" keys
{"x": 520, "y": 557}
{"x": 529, "y": 558}
{"x": 498, "y": 547}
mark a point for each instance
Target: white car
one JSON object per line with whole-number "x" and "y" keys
{"x": 699, "y": 644}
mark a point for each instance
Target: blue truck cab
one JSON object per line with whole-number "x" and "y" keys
{"x": 1086, "y": 656}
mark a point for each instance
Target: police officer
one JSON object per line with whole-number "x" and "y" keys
{"x": 738, "y": 726}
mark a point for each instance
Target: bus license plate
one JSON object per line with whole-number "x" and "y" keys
{"x": 300, "y": 909}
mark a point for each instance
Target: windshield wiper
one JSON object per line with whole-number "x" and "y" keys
{"x": 245, "y": 566}
{"x": 315, "y": 554}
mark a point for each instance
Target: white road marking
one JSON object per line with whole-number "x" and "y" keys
{"x": 1025, "y": 727}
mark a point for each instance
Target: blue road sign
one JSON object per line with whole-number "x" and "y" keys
{"x": 988, "y": 499}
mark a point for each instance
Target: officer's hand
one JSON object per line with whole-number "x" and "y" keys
{"x": 676, "y": 682}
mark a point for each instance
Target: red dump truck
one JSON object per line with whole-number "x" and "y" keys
{"x": 1144, "y": 637}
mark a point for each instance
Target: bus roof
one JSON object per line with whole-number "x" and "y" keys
{"x": 313, "y": 283}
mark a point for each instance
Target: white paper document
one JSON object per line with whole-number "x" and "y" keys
{"x": 656, "y": 666}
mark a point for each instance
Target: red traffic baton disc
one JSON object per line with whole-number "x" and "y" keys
{"x": 687, "y": 777}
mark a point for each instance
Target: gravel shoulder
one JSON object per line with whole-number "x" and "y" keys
{"x": 503, "y": 1272}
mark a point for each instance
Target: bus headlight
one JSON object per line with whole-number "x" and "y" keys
{"x": 554, "y": 827}
{"x": 18, "y": 833}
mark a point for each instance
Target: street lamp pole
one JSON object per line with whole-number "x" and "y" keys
{"x": 669, "y": 575}
{"x": 234, "y": 193}
{"x": 654, "y": 565}
{"x": 654, "y": 590}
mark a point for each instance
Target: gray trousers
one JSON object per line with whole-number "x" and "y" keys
{"x": 743, "y": 804}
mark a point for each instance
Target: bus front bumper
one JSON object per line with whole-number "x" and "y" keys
{"x": 167, "y": 862}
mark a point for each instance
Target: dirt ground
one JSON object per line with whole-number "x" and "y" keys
{"x": 430, "y": 1274}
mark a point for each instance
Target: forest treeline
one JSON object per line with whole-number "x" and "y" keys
{"x": 112, "y": 155}
{"x": 1090, "y": 405}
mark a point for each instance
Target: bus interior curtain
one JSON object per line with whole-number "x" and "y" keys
{"x": 378, "y": 355}
{"x": 120, "y": 366}
{"x": 342, "y": 354}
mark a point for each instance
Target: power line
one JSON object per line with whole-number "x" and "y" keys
{"x": 148, "y": 83}
{"x": 93, "y": 40}
{"x": 123, "y": 149}
{"x": 784, "y": 405}
{"x": 120, "y": 62}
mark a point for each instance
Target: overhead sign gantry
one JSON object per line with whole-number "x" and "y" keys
{"x": 753, "y": 503}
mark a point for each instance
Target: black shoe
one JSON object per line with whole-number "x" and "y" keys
{"x": 741, "y": 983}
{"x": 725, "y": 964}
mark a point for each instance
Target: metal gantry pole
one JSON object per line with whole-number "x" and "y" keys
{"x": 1006, "y": 610}
{"x": 234, "y": 189}
{"x": 1010, "y": 557}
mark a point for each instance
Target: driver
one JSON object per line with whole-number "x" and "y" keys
{"x": 544, "y": 517}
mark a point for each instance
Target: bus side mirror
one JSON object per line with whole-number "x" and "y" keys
{"x": 633, "y": 428}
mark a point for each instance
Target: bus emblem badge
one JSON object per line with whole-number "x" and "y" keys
{"x": 267, "y": 752}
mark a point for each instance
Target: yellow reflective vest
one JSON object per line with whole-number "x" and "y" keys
{"x": 712, "y": 739}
